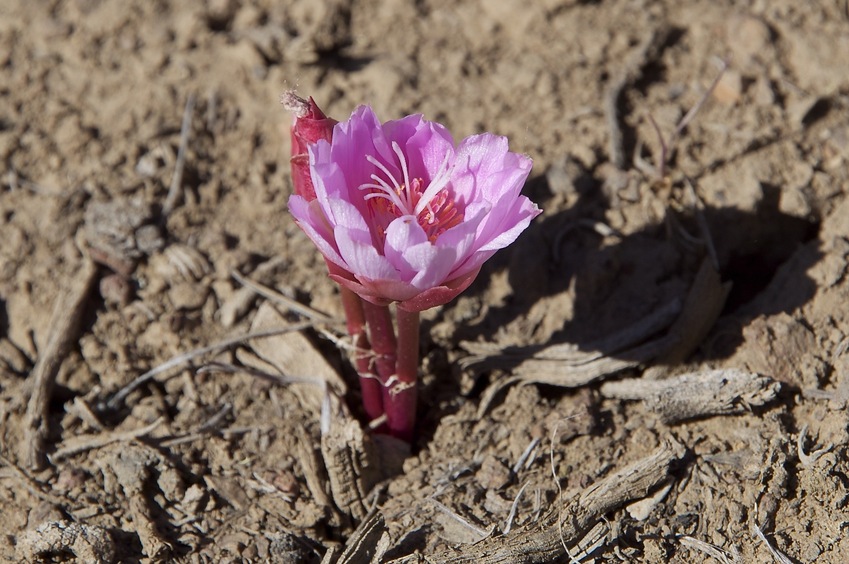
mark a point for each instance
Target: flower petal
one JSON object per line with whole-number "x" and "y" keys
{"x": 438, "y": 295}
{"x": 426, "y": 150}
{"x": 513, "y": 222}
{"x": 310, "y": 218}
{"x": 363, "y": 260}
{"x": 401, "y": 234}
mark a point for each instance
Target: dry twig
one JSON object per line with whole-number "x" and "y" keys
{"x": 538, "y": 543}
{"x": 285, "y": 301}
{"x": 238, "y": 304}
{"x": 177, "y": 178}
{"x": 65, "y": 321}
{"x": 186, "y": 358}
{"x": 82, "y": 443}
{"x": 697, "y": 394}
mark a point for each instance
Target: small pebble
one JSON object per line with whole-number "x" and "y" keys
{"x": 729, "y": 89}
{"x": 493, "y": 474}
{"x": 187, "y": 296}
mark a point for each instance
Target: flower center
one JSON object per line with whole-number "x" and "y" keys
{"x": 432, "y": 205}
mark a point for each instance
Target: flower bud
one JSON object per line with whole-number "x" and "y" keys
{"x": 310, "y": 125}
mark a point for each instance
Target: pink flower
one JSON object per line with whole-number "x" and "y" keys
{"x": 402, "y": 214}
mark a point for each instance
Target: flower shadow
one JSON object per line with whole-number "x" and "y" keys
{"x": 570, "y": 281}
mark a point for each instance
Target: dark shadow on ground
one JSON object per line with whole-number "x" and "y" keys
{"x": 617, "y": 281}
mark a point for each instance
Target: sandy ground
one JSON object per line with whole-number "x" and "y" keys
{"x": 657, "y": 371}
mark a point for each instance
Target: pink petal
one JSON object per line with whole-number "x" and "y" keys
{"x": 426, "y": 150}
{"x": 513, "y": 222}
{"x": 401, "y": 234}
{"x": 311, "y": 219}
{"x": 363, "y": 260}
{"x": 439, "y": 295}
{"x": 419, "y": 262}
{"x": 485, "y": 169}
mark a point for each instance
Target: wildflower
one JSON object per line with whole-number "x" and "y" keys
{"x": 401, "y": 214}
{"x": 404, "y": 215}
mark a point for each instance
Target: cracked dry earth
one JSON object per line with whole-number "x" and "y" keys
{"x": 657, "y": 371}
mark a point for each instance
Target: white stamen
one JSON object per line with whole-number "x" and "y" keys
{"x": 386, "y": 190}
{"x": 385, "y": 170}
{"x": 403, "y": 159}
{"x": 440, "y": 181}
{"x": 383, "y": 186}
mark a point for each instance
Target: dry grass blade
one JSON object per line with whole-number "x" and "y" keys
{"x": 476, "y": 531}
{"x": 722, "y": 556}
{"x": 779, "y": 557}
{"x": 82, "y": 443}
{"x": 702, "y": 307}
{"x": 667, "y": 149}
{"x": 186, "y": 358}
{"x": 707, "y": 238}
{"x": 177, "y": 178}
{"x": 526, "y": 455}
{"x": 278, "y": 298}
{"x": 688, "y": 117}
{"x": 514, "y": 507}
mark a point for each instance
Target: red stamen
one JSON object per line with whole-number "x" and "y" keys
{"x": 440, "y": 215}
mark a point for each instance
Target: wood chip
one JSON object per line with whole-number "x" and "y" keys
{"x": 697, "y": 394}
{"x": 67, "y": 315}
{"x": 368, "y": 543}
{"x": 293, "y": 354}
{"x": 702, "y": 307}
{"x": 350, "y": 459}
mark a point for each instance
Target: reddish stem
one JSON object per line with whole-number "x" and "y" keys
{"x": 369, "y": 385}
{"x": 382, "y": 337}
{"x": 399, "y": 398}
